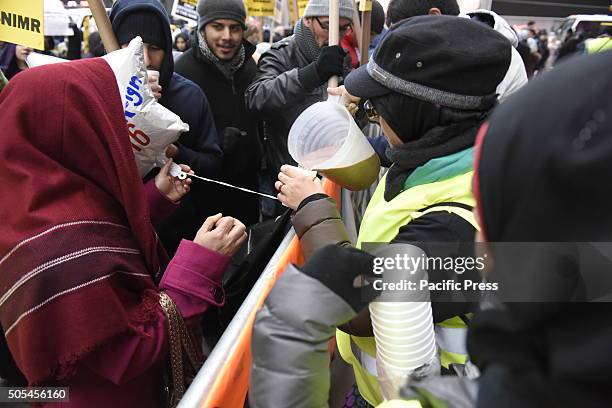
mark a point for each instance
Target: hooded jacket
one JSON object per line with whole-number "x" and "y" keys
{"x": 242, "y": 160}
{"x": 541, "y": 178}
{"x": 199, "y": 147}
{"x": 516, "y": 77}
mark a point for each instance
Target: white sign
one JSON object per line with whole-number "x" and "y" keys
{"x": 56, "y": 19}
{"x": 186, "y": 10}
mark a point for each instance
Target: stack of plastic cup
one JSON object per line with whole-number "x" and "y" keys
{"x": 325, "y": 138}
{"x": 405, "y": 337}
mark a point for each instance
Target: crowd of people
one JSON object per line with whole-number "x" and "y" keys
{"x": 105, "y": 276}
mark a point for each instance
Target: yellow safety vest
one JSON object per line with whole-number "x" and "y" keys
{"x": 381, "y": 223}
{"x": 596, "y": 45}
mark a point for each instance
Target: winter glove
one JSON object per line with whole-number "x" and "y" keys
{"x": 338, "y": 267}
{"x": 231, "y": 139}
{"x": 330, "y": 62}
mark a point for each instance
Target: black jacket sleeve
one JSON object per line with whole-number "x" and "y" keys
{"x": 278, "y": 85}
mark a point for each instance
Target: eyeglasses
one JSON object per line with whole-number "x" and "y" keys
{"x": 325, "y": 25}
{"x": 370, "y": 111}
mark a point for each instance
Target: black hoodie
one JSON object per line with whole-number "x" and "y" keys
{"x": 543, "y": 177}
{"x": 242, "y": 160}
{"x": 198, "y": 148}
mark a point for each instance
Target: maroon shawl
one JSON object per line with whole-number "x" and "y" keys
{"x": 77, "y": 248}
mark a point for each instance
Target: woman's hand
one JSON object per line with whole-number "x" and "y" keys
{"x": 295, "y": 184}
{"x": 172, "y": 187}
{"x": 221, "y": 234}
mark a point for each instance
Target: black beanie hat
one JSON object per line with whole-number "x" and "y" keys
{"x": 210, "y": 10}
{"x": 143, "y": 23}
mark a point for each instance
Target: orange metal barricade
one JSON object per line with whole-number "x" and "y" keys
{"x": 231, "y": 385}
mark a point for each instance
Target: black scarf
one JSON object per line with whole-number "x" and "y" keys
{"x": 428, "y": 130}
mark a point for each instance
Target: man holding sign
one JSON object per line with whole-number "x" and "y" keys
{"x": 293, "y": 75}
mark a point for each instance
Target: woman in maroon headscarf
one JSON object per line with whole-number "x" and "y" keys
{"x": 79, "y": 258}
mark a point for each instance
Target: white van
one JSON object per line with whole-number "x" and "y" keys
{"x": 590, "y": 23}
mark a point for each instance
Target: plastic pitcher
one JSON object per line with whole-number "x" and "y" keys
{"x": 325, "y": 138}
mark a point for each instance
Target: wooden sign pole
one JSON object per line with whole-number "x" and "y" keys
{"x": 334, "y": 33}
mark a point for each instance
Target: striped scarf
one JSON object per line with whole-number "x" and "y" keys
{"x": 306, "y": 41}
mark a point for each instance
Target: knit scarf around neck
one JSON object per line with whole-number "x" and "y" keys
{"x": 306, "y": 41}
{"x": 227, "y": 68}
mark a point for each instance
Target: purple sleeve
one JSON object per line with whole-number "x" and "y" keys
{"x": 193, "y": 281}
{"x": 193, "y": 278}
{"x": 160, "y": 206}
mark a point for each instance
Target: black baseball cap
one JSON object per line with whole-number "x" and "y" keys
{"x": 446, "y": 60}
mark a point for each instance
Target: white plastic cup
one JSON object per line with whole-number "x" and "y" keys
{"x": 417, "y": 341}
{"x": 404, "y": 328}
{"x": 410, "y": 358}
{"x": 400, "y": 363}
{"x": 152, "y": 76}
{"x": 405, "y": 310}
{"x": 404, "y": 341}
{"x": 404, "y": 334}
{"x": 325, "y": 138}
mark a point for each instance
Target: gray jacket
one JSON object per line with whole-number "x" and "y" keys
{"x": 290, "y": 336}
{"x": 285, "y": 85}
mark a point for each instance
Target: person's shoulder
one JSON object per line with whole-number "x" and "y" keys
{"x": 186, "y": 91}
{"x": 186, "y": 60}
{"x": 284, "y": 43}
{"x": 186, "y": 85}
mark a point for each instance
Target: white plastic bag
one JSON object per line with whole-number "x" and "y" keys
{"x": 151, "y": 127}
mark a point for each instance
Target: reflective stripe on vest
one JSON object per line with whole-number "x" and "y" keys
{"x": 381, "y": 223}
{"x": 400, "y": 404}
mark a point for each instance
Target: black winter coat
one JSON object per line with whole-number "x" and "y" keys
{"x": 242, "y": 161}
{"x": 280, "y": 95}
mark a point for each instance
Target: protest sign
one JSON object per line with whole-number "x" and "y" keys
{"x": 21, "y": 22}
{"x": 259, "y": 8}
{"x": 186, "y": 10}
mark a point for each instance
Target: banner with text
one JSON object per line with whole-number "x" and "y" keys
{"x": 21, "y": 22}
{"x": 186, "y": 10}
{"x": 259, "y": 8}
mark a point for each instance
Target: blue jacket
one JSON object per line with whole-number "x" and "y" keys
{"x": 199, "y": 148}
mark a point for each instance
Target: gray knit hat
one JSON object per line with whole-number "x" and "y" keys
{"x": 318, "y": 8}
{"x": 210, "y": 10}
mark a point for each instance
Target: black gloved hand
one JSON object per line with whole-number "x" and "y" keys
{"x": 231, "y": 138}
{"x": 330, "y": 62}
{"x": 337, "y": 267}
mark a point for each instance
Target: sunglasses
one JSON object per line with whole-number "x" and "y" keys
{"x": 371, "y": 112}
{"x": 325, "y": 25}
